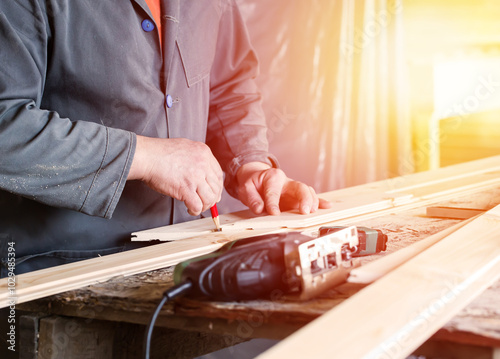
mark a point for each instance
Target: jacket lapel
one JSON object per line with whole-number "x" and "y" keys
{"x": 144, "y": 6}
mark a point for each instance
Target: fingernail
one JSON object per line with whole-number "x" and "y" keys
{"x": 256, "y": 206}
{"x": 191, "y": 213}
{"x": 306, "y": 209}
{"x": 275, "y": 210}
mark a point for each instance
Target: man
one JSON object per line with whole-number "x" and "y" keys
{"x": 104, "y": 116}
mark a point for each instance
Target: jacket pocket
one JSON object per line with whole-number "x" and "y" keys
{"x": 197, "y": 50}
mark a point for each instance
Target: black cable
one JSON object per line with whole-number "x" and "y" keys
{"x": 169, "y": 294}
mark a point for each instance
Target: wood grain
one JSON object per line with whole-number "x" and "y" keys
{"x": 393, "y": 316}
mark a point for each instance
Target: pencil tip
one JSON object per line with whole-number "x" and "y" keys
{"x": 217, "y": 224}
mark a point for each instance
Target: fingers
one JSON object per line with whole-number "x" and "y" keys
{"x": 215, "y": 184}
{"x": 304, "y": 196}
{"x": 273, "y": 187}
{"x": 208, "y": 193}
{"x": 200, "y": 201}
{"x": 323, "y": 203}
{"x": 183, "y": 169}
{"x": 202, "y": 195}
{"x": 317, "y": 203}
{"x": 194, "y": 205}
{"x": 187, "y": 170}
{"x": 297, "y": 195}
{"x": 262, "y": 190}
{"x": 272, "y": 190}
{"x": 251, "y": 196}
{"x": 310, "y": 202}
{"x": 315, "y": 200}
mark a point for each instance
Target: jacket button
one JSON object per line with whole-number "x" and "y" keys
{"x": 148, "y": 26}
{"x": 169, "y": 101}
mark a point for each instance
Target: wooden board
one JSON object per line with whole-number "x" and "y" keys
{"x": 355, "y": 202}
{"x": 372, "y": 271}
{"x": 45, "y": 282}
{"x": 453, "y": 212}
{"x": 393, "y": 316}
{"x": 133, "y": 298}
{"x": 401, "y": 193}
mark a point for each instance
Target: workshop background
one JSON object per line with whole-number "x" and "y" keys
{"x": 360, "y": 91}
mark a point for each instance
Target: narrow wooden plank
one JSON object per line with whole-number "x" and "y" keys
{"x": 243, "y": 220}
{"x": 489, "y": 165}
{"x": 375, "y": 270}
{"x": 45, "y": 282}
{"x": 400, "y": 193}
{"x": 452, "y": 212}
{"x": 393, "y": 316}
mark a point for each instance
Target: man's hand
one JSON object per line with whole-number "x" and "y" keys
{"x": 261, "y": 187}
{"x": 183, "y": 169}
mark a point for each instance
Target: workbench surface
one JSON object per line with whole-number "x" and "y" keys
{"x": 132, "y": 299}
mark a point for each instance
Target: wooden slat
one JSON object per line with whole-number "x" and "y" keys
{"x": 45, "y": 282}
{"x": 393, "y": 316}
{"x": 401, "y": 193}
{"x": 452, "y": 212}
{"x": 375, "y": 270}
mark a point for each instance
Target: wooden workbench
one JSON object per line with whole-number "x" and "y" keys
{"x": 98, "y": 308}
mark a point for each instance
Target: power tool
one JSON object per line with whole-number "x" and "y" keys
{"x": 371, "y": 240}
{"x": 272, "y": 266}
{"x": 291, "y": 264}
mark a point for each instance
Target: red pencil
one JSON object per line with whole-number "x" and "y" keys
{"x": 215, "y": 217}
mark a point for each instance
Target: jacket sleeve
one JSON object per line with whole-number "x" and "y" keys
{"x": 60, "y": 162}
{"x": 237, "y": 127}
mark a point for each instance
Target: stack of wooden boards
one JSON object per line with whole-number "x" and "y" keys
{"x": 391, "y": 317}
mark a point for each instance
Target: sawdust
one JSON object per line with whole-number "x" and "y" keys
{"x": 483, "y": 200}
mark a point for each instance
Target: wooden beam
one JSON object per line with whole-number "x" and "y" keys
{"x": 393, "y": 316}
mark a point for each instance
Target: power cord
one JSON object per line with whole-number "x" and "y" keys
{"x": 169, "y": 294}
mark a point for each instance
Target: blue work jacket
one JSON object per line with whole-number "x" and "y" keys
{"x": 78, "y": 80}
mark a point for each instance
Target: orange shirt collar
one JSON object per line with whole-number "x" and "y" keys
{"x": 154, "y": 6}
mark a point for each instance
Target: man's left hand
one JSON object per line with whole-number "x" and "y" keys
{"x": 263, "y": 188}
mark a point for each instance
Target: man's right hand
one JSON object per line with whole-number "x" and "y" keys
{"x": 183, "y": 169}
